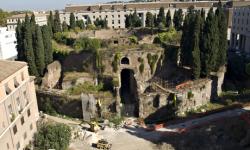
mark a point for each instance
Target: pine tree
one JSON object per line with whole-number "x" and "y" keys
{"x": 65, "y": 26}
{"x": 149, "y": 19}
{"x": 50, "y": 23}
{"x": 28, "y": 47}
{"x": 39, "y": 51}
{"x": 20, "y": 44}
{"x": 48, "y": 52}
{"x": 57, "y": 23}
{"x": 196, "y": 65}
{"x": 222, "y": 34}
{"x": 161, "y": 19}
{"x": 72, "y": 21}
{"x": 168, "y": 19}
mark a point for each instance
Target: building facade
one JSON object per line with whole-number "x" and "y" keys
{"x": 115, "y": 13}
{"x": 7, "y": 44}
{"x": 18, "y": 106}
{"x": 41, "y": 19}
{"x": 240, "y": 33}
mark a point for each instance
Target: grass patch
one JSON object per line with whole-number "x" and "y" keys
{"x": 87, "y": 87}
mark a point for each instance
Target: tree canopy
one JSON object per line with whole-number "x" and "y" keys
{"x": 53, "y": 136}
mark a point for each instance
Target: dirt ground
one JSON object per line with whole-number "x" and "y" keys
{"x": 230, "y": 133}
{"x": 122, "y": 139}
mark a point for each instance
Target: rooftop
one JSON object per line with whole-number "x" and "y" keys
{"x": 23, "y": 15}
{"x": 7, "y": 68}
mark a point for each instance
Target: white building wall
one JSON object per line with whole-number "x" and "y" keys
{"x": 7, "y": 44}
{"x": 116, "y": 18}
{"x": 240, "y": 32}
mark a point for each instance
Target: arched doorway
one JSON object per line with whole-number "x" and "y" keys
{"x": 128, "y": 93}
{"x": 125, "y": 60}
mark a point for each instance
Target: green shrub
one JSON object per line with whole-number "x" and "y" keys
{"x": 116, "y": 62}
{"x": 152, "y": 60}
{"x": 86, "y": 87}
{"x": 87, "y": 44}
{"x": 190, "y": 95}
{"x": 141, "y": 68}
{"x": 56, "y": 136}
{"x": 115, "y": 82}
{"x": 133, "y": 39}
{"x": 169, "y": 37}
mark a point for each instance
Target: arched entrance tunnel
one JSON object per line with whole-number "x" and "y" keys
{"x": 128, "y": 93}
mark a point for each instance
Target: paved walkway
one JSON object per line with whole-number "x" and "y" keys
{"x": 204, "y": 120}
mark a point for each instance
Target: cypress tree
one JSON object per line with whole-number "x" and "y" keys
{"x": 80, "y": 24}
{"x": 161, "y": 19}
{"x": 155, "y": 20}
{"x": 28, "y": 47}
{"x": 88, "y": 21}
{"x": 72, "y": 21}
{"x": 222, "y": 34}
{"x": 149, "y": 19}
{"x": 186, "y": 47}
{"x": 39, "y": 50}
{"x": 33, "y": 25}
{"x": 178, "y": 19}
{"x": 168, "y": 19}
{"x": 128, "y": 21}
{"x": 136, "y": 21}
{"x": 20, "y": 44}
{"x": 65, "y": 26}
{"x": 196, "y": 65}
{"x": 48, "y": 52}
{"x": 50, "y": 23}
{"x": 210, "y": 43}
{"x": 57, "y": 23}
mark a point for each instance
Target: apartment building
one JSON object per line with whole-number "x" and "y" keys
{"x": 18, "y": 106}
{"x": 7, "y": 44}
{"x": 240, "y": 34}
{"x": 41, "y": 19}
{"x": 115, "y": 13}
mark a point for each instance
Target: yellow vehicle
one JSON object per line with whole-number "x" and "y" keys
{"x": 94, "y": 127}
{"x": 103, "y": 144}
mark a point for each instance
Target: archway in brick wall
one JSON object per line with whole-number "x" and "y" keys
{"x": 129, "y": 94}
{"x": 125, "y": 60}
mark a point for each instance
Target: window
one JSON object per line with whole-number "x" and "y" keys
{"x": 18, "y": 104}
{"x": 15, "y": 129}
{"x": 16, "y": 84}
{"x": 22, "y": 120}
{"x": 25, "y": 135}
{"x": 119, "y": 16}
{"x": 10, "y": 109}
{"x": 112, "y": 16}
{"x": 22, "y": 76}
{"x": 8, "y": 146}
{"x": 18, "y": 146}
{"x": 7, "y": 89}
{"x": 31, "y": 126}
{"x": 119, "y": 21}
{"x": 25, "y": 97}
{"x": 113, "y": 21}
{"x": 28, "y": 112}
